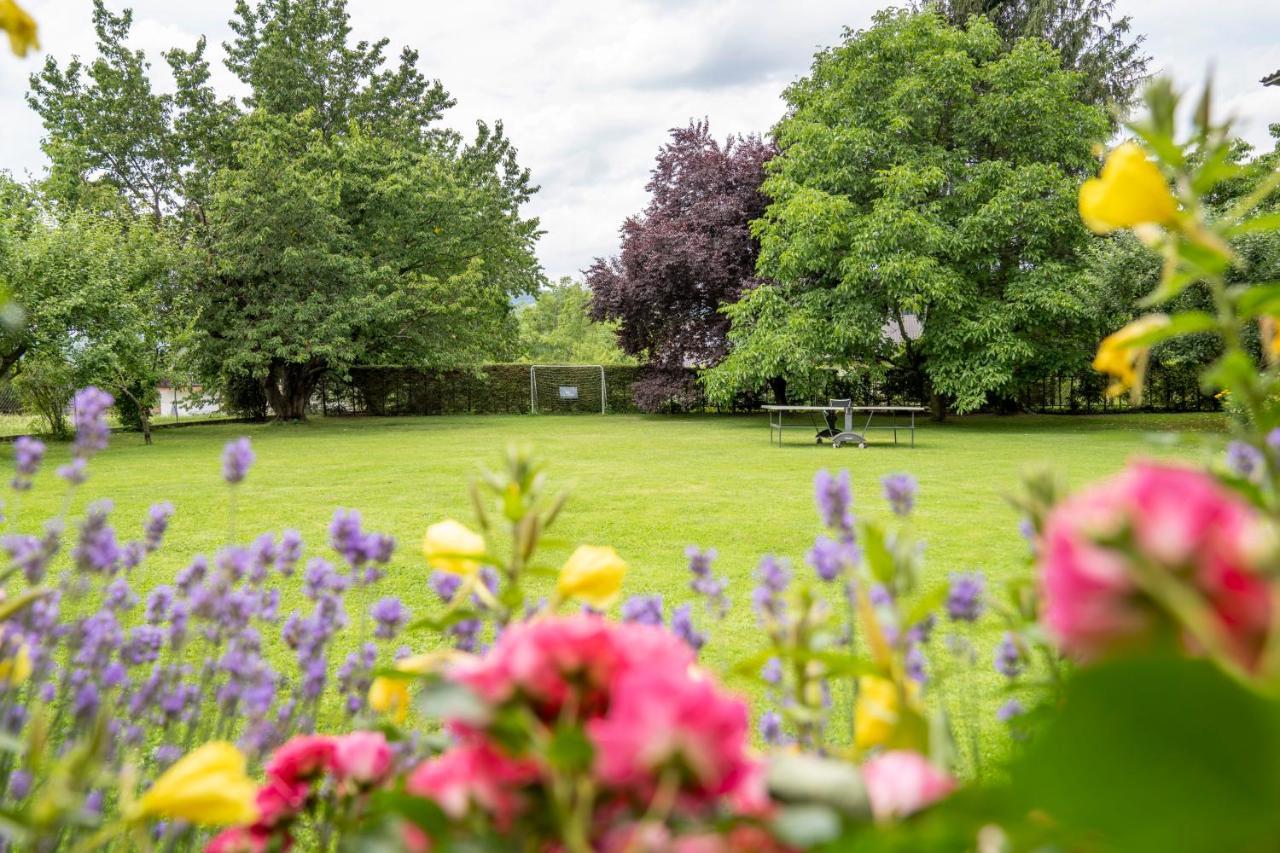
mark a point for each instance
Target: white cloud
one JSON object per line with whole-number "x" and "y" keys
{"x": 588, "y": 90}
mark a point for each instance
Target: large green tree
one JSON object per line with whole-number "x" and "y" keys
{"x": 923, "y": 170}
{"x": 1087, "y": 34}
{"x": 335, "y": 218}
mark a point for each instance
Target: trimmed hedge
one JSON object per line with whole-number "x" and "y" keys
{"x": 504, "y": 389}
{"x": 489, "y": 389}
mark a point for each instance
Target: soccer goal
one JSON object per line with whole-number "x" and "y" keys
{"x": 566, "y": 388}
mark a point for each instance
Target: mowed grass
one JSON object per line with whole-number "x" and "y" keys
{"x": 649, "y": 486}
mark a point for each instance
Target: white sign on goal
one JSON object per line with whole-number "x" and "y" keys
{"x": 567, "y": 388}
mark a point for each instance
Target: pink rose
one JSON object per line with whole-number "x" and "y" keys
{"x": 474, "y": 775}
{"x": 544, "y": 659}
{"x": 659, "y": 717}
{"x": 901, "y": 782}
{"x": 361, "y": 758}
{"x": 300, "y": 759}
{"x": 1182, "y": 522}
{"x": 279, "y": 801}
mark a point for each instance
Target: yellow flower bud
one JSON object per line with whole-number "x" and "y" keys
{"x": 1122, "y": 357}
{"x": 207, "y": 787}
{"x": 878, "y": 710}
{"x": 19, "y": 25}
{"x": 390, "y": 696}
{"x": 1130, "y": 191}
{"x": 452, "y": 547}
{"x": 17, "y": 668}
{"x": 593, "y": 574}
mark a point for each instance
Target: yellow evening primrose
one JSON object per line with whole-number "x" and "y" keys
{"x": 878, "y": 709}
{"x": 593, "y": 574}
{"x": 1122, "y": 356}
{"x": 450, "y": 546}
{"x": 207, "y": 787}
{"x": 19, "y": 25}
{"x": 16, "y": 668}
{"x": 1269, "y": 333}
{"x": 390, "y": 696}
{"x": 1131, "y": 191}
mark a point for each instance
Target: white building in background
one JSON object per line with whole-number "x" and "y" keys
{"x": 185, "y": 400}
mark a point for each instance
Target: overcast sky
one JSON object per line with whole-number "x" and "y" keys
{"x": 589, "y": 88}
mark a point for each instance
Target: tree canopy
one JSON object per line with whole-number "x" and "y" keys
{"x": 1087, "y": 34}
{"x": 690, "y": 251}
{"x": 923, "y": 170}
{"x": 332, "y": 218}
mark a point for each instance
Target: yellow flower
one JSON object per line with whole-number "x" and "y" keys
{"x": 1268, "y": 329}
{"x": 207, "y": 787}
{"x": 1130, "y": 191}
{"x": 1122, "y": 355}
{"x": 593, "y": 575}
{"x": 16, "y": 669}
{"x": 20, "y": 26}
{"x": 452, "y": 547}
{"x": 390, "y": 696}
{"x": 878, "y": 709}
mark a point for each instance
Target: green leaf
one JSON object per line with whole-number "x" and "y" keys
{"x": 419, "y": 811}
{"x": 1158, "y": 755}
{"x": 444, "y": 622}
{"x": 1259, "y": 300}
{"x": 570, "y": 750}
{"x": 19, "y": 602}
{"x": 1264, "y": 222}
{"x": 877, "y": 553}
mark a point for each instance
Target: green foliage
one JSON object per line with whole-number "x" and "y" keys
{"x": 102, "y": 300}
{"x": 1179, "y": 756}
{"x": 1086, "y": 33}
{"x": 556, "y": 328}
{"x": 331, "y": 219}
{"x": 45, "y": 387}
{"x": 924, "y": 170}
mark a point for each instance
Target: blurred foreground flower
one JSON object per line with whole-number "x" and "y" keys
{"x": 592, "y": 575}
{"x": 207, "y": 787}
{"x": 1123, "y": 354}
{"x": 1158, "y": 542}
{"x": 450, "y": 546}
{"x": 20, "y": 26}
{"x": 901, "y": 782}
{"x": 1130, "y": 191}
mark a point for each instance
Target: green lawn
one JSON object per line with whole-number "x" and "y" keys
{"x": 647, "y": 485}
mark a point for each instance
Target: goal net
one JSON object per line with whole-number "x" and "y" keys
{"x": 566, "y": 388}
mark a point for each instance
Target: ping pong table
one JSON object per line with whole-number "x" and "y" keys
{"x": 777, "y": 415}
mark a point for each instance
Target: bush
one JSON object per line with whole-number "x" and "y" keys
{"x": 45, "y": 387}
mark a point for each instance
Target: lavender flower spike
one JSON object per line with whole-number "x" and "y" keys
{"x": 834, "y": 497}
{"x": 28, "y": 453}
{"x": 237, "y": 457}
{"x": 643, "y": 610}
{"x": 900, "y": 491}
{"x": 964, "y": 599}
{"x": 89, "y": 415}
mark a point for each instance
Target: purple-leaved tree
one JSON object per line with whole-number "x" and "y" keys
{"x": 689, "y": 252}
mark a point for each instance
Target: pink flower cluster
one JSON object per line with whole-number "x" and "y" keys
{"x": 901, "y": 782}
{"x": 351, "y": 764}
{"x": 648, "y": 713}
{"x": 1177, "y": 521}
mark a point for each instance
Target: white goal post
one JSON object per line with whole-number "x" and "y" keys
{"x": 566, "y": 387}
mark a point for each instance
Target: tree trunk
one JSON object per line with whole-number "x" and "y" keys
{"x": 289, "y": 387}
{"x": 937, "y": 406}
{"x": 779, "y": 387}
